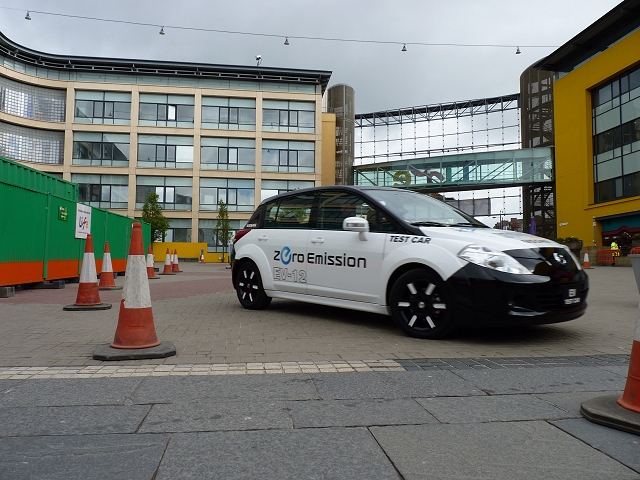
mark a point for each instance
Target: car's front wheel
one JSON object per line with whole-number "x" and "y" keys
{"x": 249, "y": 287}
{"x": 419, "y": 304}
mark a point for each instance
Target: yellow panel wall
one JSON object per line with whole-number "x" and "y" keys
{"x": 328, "y": 149}
{"x": 575, "y": 208}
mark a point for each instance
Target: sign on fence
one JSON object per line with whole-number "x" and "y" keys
{"x": 83, "y": 220}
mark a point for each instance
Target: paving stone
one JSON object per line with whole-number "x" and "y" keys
{"x": 494, "y": 451}
{"x": 61, "y": 392}
{"x": 622, "y": 446}
{"x": 535, "y": 380}
{"x": 247, "y": 387}
{"x": 392, "y": 385}
{"x": 210, "y": 416}
{"x": 82, "y": 457}
{"x": 78, "y": 420}
{"x": 500, "y": 408}
{"x": 570, "y": 401}
{"x": 325, "y": 453}
{"x": 354, "y": 413}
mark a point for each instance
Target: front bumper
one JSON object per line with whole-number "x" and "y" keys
{"x": 485, "y": 297}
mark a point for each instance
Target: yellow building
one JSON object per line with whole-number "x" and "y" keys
{"x": 192, "y": 133}
{"x": 596, "y": 125}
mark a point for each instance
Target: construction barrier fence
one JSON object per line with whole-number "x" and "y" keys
{"x": 38, "y": 228}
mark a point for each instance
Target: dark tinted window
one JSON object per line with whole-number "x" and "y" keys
{"x": 334, "y": 207}
{"x": 289, "y": 212}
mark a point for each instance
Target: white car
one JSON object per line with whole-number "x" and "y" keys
{"x": 397, "y": 252}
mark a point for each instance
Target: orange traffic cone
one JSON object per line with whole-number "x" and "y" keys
{"x": 201, "y": 256}
{"x": 168, "y": 268}
{"x": 622, "y": 413}
{"x": 107, "y": 280}
{"x": 585, "y": 263}
{"x": 175, "y": 267}
{"x": 88, "y": 296}
{"x": 151, "y": 273}
{"x": 631, "y": 397}
{"x": 135, "y": 321}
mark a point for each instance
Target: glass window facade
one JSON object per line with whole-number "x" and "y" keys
{"x": 111, "y": 108}
{"x": 104, "y": 149}
{"x": 616, "y": 138}
{"x": 284, "y": 116}
{"x": 206, "y": 233}
{"x": 166, "y": 110}
{"x": 174, "y": 193}
{"x": 238, "y": 194}
{"x": 31, "y": 145}
{"x": 227, "y": 154}
{"x": 284, "y": 156}
{"x": 229, "y": 113}
{"x": 179, "y": 230}
{"x": 102, "y": 191}
{"x": 275, "y": 187}
{"x": 162, "y": 151}
{"x": 29, "y": 101}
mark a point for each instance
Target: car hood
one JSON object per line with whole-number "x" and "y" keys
{"x": 488, "y": 237}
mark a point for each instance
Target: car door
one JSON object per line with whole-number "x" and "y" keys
{"x": 344, "y": 264}
{"x": 283, "y": 239}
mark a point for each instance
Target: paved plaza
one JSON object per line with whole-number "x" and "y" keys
{"x": 298, "y": 391}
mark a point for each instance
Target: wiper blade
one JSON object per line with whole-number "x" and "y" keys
{"x": 467, "y": 224}
{"x": 429, "y": 224}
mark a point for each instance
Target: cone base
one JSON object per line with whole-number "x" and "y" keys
{"x": 153, "y": 278}
{"x": 80, "y": 308}
{"x": 172, "y": 273}
{"x": 109, "y": 288}
{"x": 108, "y": 353}
{"x": 606, "y": 411}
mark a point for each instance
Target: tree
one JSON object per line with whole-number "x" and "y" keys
{"x": 152, "y": 214}
{"x": 223, "y": 227}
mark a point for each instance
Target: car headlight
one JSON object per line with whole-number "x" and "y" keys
{"x": 494, "y": 259}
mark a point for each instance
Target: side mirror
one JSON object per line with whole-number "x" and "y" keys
{"x": 356, "y": 224}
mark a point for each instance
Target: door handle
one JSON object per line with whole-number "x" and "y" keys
{"x": 263, "y": 238}
{"x": 318, "y": 240}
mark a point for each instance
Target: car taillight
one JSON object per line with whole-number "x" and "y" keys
{"x": 240, "y": 233}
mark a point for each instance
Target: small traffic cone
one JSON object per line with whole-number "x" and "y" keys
{"x": 151, "y": 272}
{"x": 175, "y": 267}
{"x": 88, "y": 297}
{"x": 585, "y": 263}
{"x": 201, "y": 256}
{"x": 107, "y": 280}
{"x": 135, "y": 336}
{"x": 622, "y": 413}
{"x": 168, "y": 268}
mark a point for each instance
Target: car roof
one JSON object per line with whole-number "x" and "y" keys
{"x": 347, "y": 188}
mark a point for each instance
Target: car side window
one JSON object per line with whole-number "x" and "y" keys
{"x": 335, "y": 206}
{"x": 290, "y": 212}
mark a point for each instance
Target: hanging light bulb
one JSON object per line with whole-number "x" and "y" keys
{"x": 517, "y": 50}
{"x": 286, "y": 41}
{"x": 404, "y": 47}
{"x": 27, "y": 16}
{"x": 161, "y": 32}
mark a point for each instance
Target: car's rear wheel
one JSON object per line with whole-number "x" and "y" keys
{"x": 249, "y": 287}
{"x": 420, "y": 304}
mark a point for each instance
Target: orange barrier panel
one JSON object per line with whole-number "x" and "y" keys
{"x": 635, "y": 251}
{"x": 606, "y": 257}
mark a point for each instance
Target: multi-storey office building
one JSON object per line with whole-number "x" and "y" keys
{"x": 584, "y": 98}
{"x": 192, "y": 133}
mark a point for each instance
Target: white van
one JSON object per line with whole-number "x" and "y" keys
{"x": 397, "y": 252}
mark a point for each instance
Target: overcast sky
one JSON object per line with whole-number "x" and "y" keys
{"x": 382, "y": 75}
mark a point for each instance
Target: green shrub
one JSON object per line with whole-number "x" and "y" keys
{"x": 571, "y": 239}
{"x": 560, "y": 240}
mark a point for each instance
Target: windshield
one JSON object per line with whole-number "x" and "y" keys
{"x": 422, "y": 210}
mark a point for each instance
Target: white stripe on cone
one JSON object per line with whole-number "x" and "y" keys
{"x": 106, "y": 263}
{"x": 150, "y": 261}
{"x": 135, "y": 292}
{"x": 88, "y": 273}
